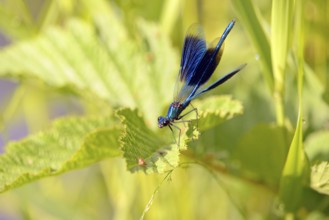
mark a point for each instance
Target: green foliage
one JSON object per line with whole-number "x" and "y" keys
{"x": 316, "y": 146}
{"x": 296, "y": 170}
{"x": 320, "y": 177}
{"x": 282, "y": 15}
{"x": 122, "y": 68}
{"x": 143, "y": 149}
{"x": 215, "y": 110}
{"x": 266, "y": 164}
{"x": 71, "y": 143}
{"x": 64, "y": 59}
{"x": 61, "y": 58}
{"x": 251, "y": 19}
{"x": 151, "y": 152}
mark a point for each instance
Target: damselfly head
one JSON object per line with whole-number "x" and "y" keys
{"x": 163, "y": 121}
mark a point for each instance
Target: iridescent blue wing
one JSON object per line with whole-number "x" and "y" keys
{"x": 193, "y": 51}
{"x": 200, "y": 66}
{"x": 208, "y": 64}
{"x": 194, "y": 81}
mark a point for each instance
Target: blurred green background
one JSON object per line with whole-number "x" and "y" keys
{"x": 236, "y": 186}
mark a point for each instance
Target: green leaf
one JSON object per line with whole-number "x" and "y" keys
{"x": 216, "y": 109}
{"x": 143, "y": 149}
{"x": 251, "y": 20}
{"x": 60, "y": 58}
{"x": 97, "y": 63}
{"x": 281, "y": 36}
{"x": 261, "y": 153}
{"x": 150, "y": 152}
{"x": 320, "y": 177}
{"x": 282, "y": 14}
{"x": 15, "y": 14}
{"x": 296, "y": 170}
{"x": 71, "y": 143}
{"x": 317, "y": 146}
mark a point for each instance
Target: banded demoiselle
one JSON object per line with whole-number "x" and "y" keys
{"x": 198, "y": 63}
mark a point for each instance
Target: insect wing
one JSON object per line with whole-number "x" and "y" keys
{"x": 198, "y": 62}
{"x": 208, "y": 63}
{"x": 193, "y": 51}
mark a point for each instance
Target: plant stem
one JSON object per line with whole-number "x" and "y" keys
{"x": 279, "y": 106}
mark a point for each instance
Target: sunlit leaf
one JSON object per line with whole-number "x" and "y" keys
{"x": 91, "y": 63}
{"x": 320, "y": 177}
{"x": 216, "y": 109}
{"x": 71, "y": 143}
{"x": 143, "y": 149}
{"x": 148, "y": 151}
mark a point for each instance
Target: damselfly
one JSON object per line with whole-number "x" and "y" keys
{"x": 198, "y": 63}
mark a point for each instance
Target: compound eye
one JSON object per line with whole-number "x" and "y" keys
{"x": 161, "y": 119}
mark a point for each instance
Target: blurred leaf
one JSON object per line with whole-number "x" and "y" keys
{"x": 143, "y": 149}
{"x": 60, "y": 58}
{"x": 282, "y": 14}
{"x": 261, "y": 153}
{"x": 315, "y": 201}
{"x": 170, "y": 15}
{"x": 251, "y": 19}
{"x": 71, "y": 143}
{"x": 98, "y": 64}
{"x": 314, "y": 106}
{"x": 320, "y": 177}
{"x": 325, "y": 94}
{"x": 317, "y": 146}
{"x": 16, "y": 19}
{"x": 296, "y": 171}
{"x": 281, "y": 36}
